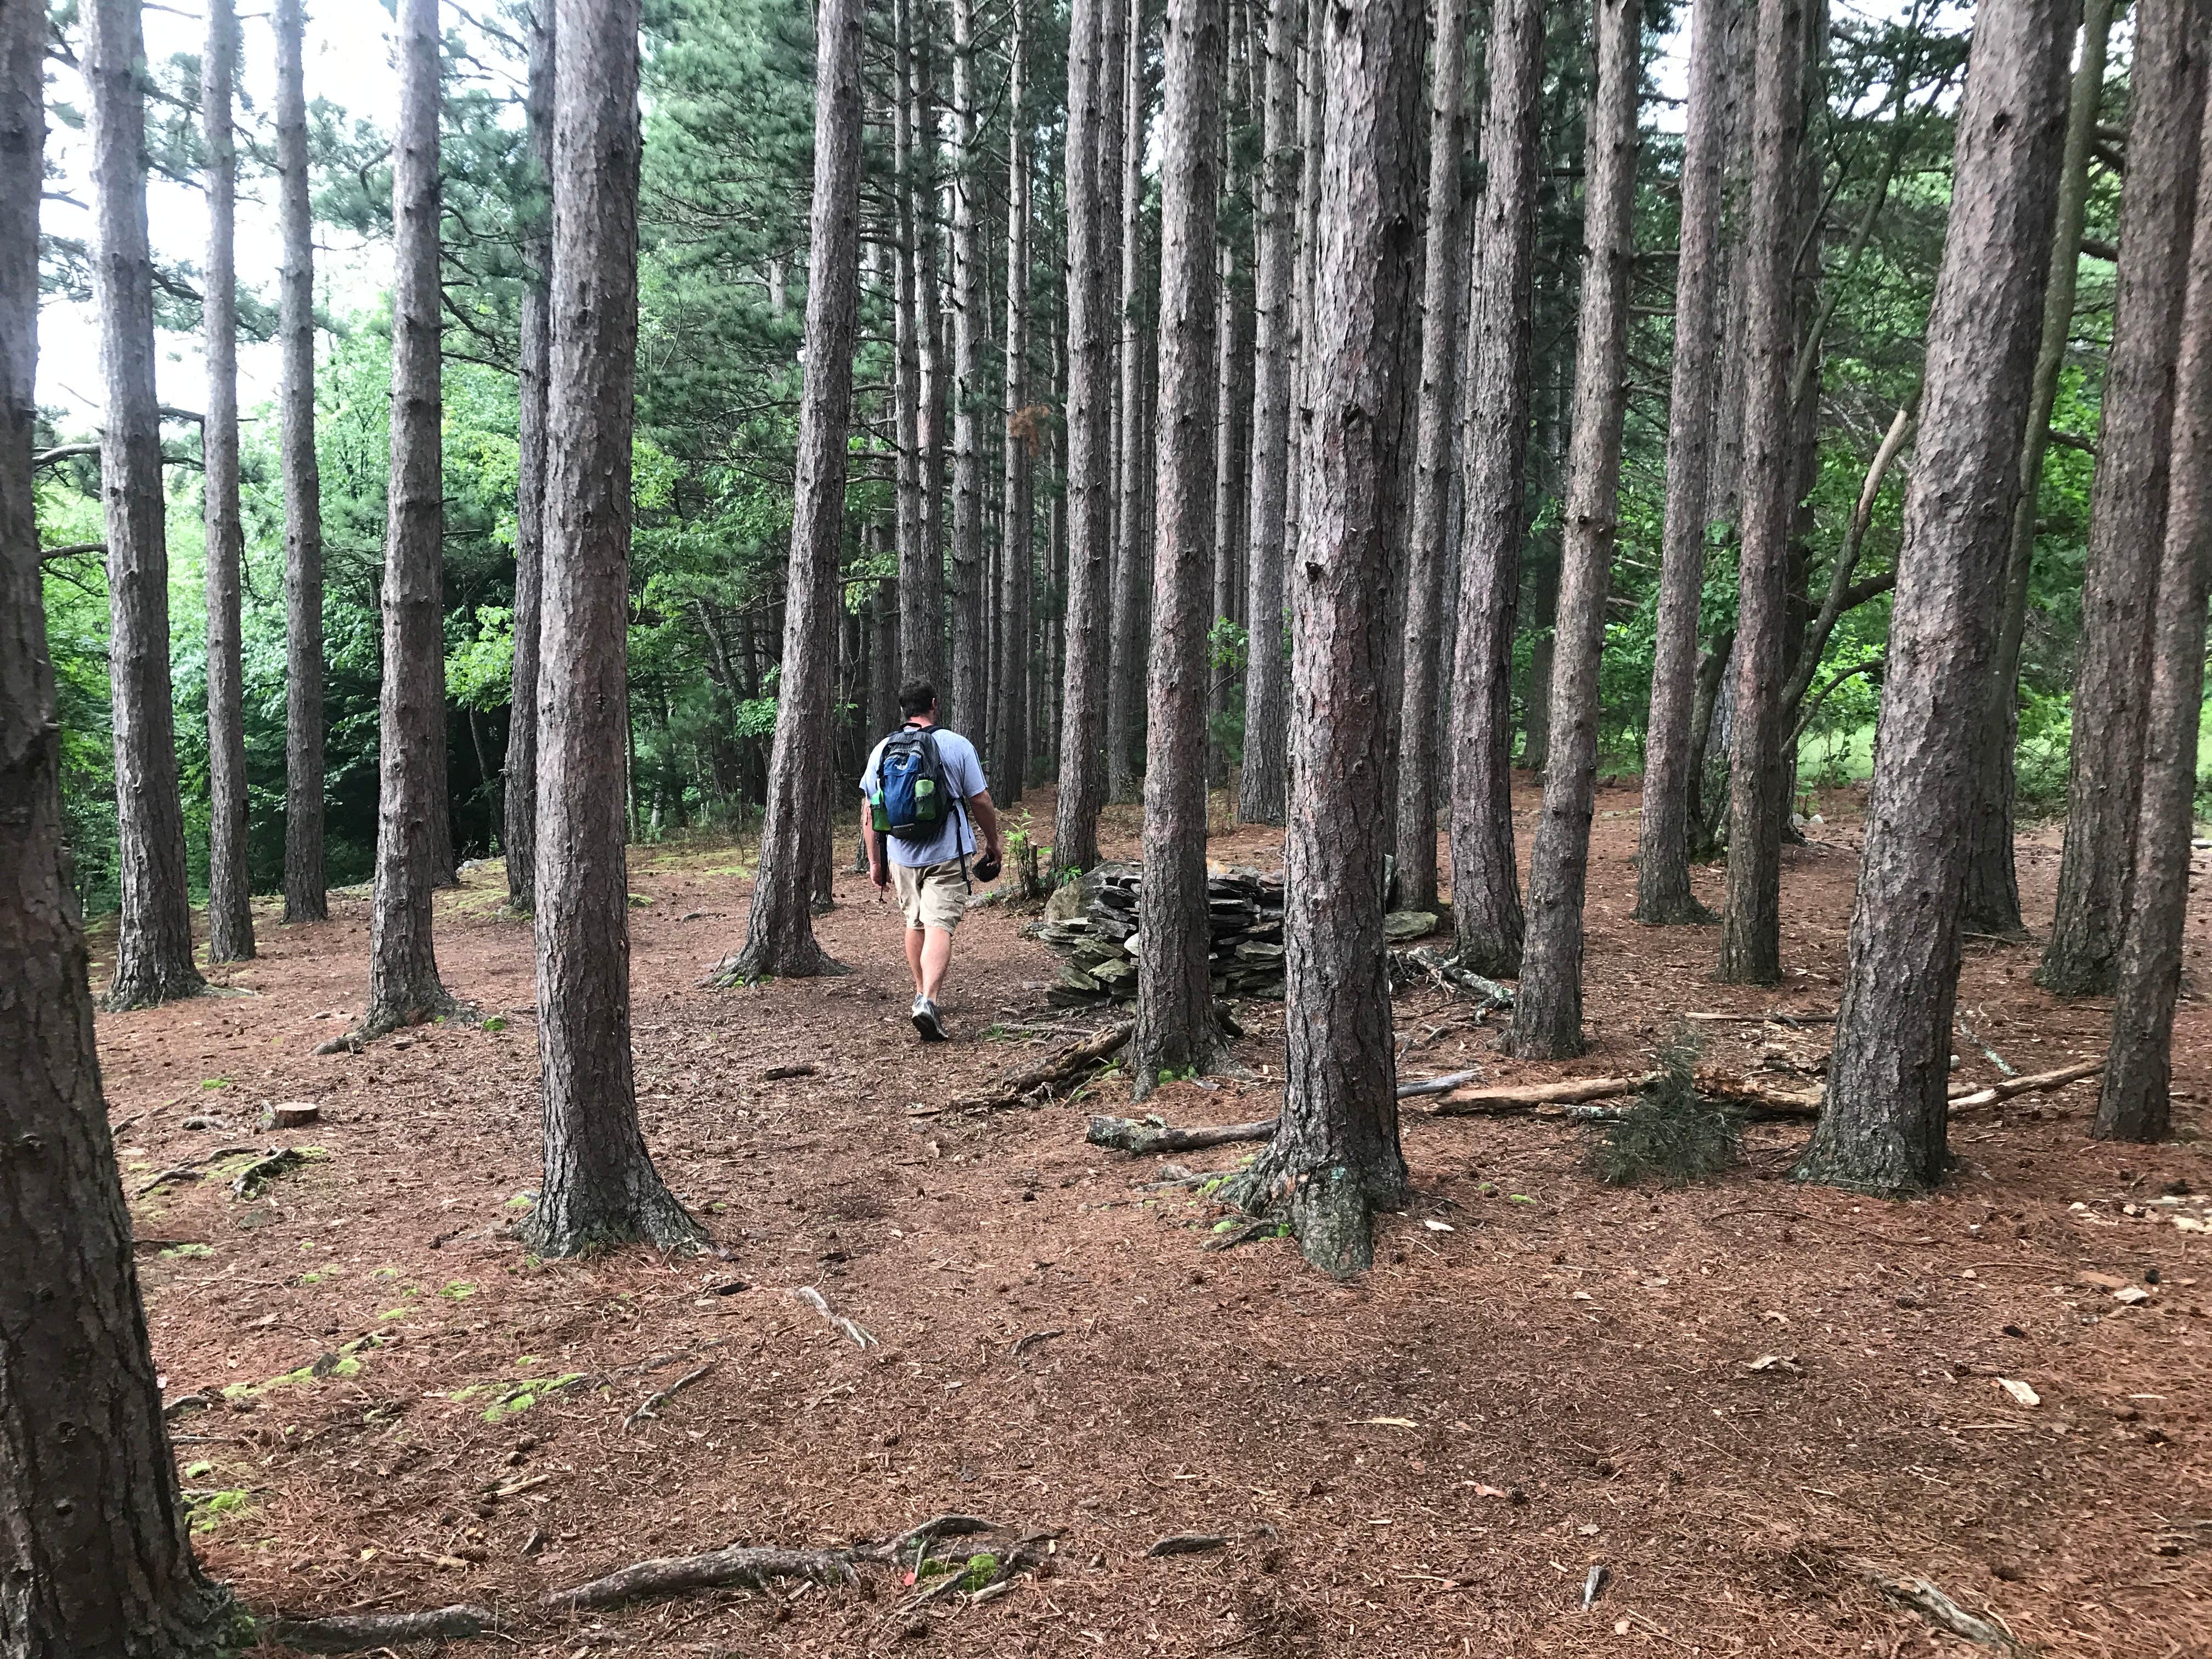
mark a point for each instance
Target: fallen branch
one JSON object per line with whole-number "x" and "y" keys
{"x": 1526, "y": 1097}
{"x": 356, "y": 1633}
{"x": 1034, "y": 1337}
{"x": 1939, "y": 1609}
{"x": 1188, "y": 1543}
{"x": 1427, "y": 962}
{"x": 860, "y": 1335}
{"x": 1146, "y": 1138}
{"x": 749, "y": 1568}
{"x": 1970, "y": 1095}
{"x": 1773, "y": 1016}
{"x": 649, "y": 1407}
{"x": 1994, "y": 1057}
{"x": 1435, "y": 1085}
{"x": 1073, "y": 1063}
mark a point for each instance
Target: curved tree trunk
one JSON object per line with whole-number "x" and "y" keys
{"x": 304, "y": 896}
{"x": 2134, "y": 1102}
{"x": 520, "y": 804}
{"x": 1751, "y": 924}
{"x": 1883, "y": 1127}
{"x": 153, "y": 949}
{"x": 1663, "y": 872}
{"x": 2127, "y": 502}
{"x": 230, "y": 911}
{"x": 1260, "y": 782}
{"x": 1125, "y": 706}
{"x": 1093, "y": 219}
{"x": 94, "y": 1554}
{"x": 1992, "y": 901}
{"x": 1486, "y": 874}
{"x": 599, "y": 1186}
{"x": 969, "y": 698}
{"x": 403, "y": 987}
{"x": 1175, "y": 994}
{"x": 779, "y": 930}
{"x": 1009, "y": 734}
{"x": 1547, "y": 1011}
{"x": 1434, "y": 532}
{"x": 1335, "y": 1157}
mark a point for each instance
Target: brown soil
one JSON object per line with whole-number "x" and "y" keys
{"x": 1541, "y": 1373}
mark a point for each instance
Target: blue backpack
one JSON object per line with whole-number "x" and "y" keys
{"x": 914, "y": 798}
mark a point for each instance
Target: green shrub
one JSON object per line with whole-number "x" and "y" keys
{"x": 1672, "y": 1135}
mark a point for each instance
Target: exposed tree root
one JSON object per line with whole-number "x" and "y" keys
{"x": 1939, "y": 1609}
{"x": 356, "y": 1632}
{"x": 751, "y": 967}
{"x": 1075, "y": 1063}
{"x": 1146, "y": 1137}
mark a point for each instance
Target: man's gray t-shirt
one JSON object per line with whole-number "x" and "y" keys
{"x": 964, "y": 773}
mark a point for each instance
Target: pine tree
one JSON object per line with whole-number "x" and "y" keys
{"x": 968, "y": 703}
{"x": 304, "y": 897}
{"x": 154, "y": 945}
{"x": 1547, "y": 1009}
{"x": 1175, "y": 995}
{"x": 94, "y": 1553}
{"x": 1883, "y": 1127}
{"x": 403, "y": 987}
{"x": 921, "y": 572}
{"x": 1125, "y": 705}
{"x": 1494, "y": 446}
{"x": 599, "y": 1185}
{"x": 1009, "y": 724}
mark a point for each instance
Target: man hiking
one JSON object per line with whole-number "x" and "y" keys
{"x": 925, "y": 796}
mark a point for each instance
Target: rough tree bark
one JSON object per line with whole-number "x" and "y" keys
{"x": 153, "y": 948}
{"x": 1992, "y": 900}
{"x": 2127, "y": 502}
{"x": 230, "y": 911}
{"x": 520, "y": 803}
{"x": 1125, "y": 704}
{"x": 1547, "y": 1011}
{"x": 2134, "y": 1102}
{"x": 967, "y": 695}
{"x": 1434, "y": 531}
{"x": 779, "y": 930}
{"x": 921, "y": 561}
{"x": 1494, "y": 449}
{"x": 404, "y": 987}
{"x": 1174, "y": 994}
{"x": 1093, "y": 218}
{"x": 599, "y": 1186}
{"x": 1009, "y": 725}
{"x": 1335, "y": 1157}
{"x": 1260, "y": 782}
{"x": 94, "y": 1554}
{"x": 304, "y": 897}
{"x": 1883, "y": 1127}
{"x": 1751, "y": 923}
{"x": 1663, "y": 874}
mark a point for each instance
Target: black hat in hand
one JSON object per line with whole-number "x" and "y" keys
{"x": 987, "y": 868}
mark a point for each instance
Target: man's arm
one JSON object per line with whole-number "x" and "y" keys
{"x": 879, "y": 870}
{"x": 987, "y": 819}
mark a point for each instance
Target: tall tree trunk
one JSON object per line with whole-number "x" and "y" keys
{"x": 304, "y": 899}
{"x": 936, "y": 377}
{"x": 917, "y": 652}
{"x": 2134, "y": 1102}
{"x": 93, "y": 1551}
{"x": 1547, "y": 1012}
{"x": 1434, "y": 532}
{"x": 1174, "y": 996}
{"x": 520, "y": 796}
{"x": 404, "y": 987}
{"x": 1125, "y": 707}
{"x": 230, "y": 911}
{"x": 779, "y": 931}
{"x": 970, "y": 663}
{"x": 1883, "y": 1128}
{"x": 1486, "y": 878}
{"x": 599, "y": 1188}
{"x": 1093, "y": 219}
{"x": 1335, "y": 1157}
{"x": 1261, "y": 781}
{"x": 1751, "y": 924}
{"x": 1992, "y": 901}
{"x": 1663, "y": 875}
{"x": 153, "y": 949}
{"x": 2127, "y": 502}
{"x": 1010, "y": 738}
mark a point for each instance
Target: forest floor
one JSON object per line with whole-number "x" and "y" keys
{"x": 1735, "y": 1395}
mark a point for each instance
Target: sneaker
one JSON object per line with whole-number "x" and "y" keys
{"x": 926, "y": 1021}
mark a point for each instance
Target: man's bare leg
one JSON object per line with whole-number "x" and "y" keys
{"x": 930, "y": 961}
{"x": 916, "y": 939}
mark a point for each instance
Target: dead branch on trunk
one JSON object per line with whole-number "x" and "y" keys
{"x": 1147, "y": 1136}
{"x": 356, "y": 1633}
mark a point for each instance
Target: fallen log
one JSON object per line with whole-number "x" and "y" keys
{"x": 1435, "y": 1085}
{"x": 1134, "y": 1135}
{"x": 357, "y": 1632}
{"x": 1526, "y": 1097}
{"x": 1757, "y": 1099}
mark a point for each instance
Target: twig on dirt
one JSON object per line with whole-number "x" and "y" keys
{"x": 777, "y": 1074}
{"x": 115, "y": 1130}
{"x": 937, "y": 1526}
{"x": 354, "y": 1632}
{"x": 1435, "y": 1085}
{"x": 860, "y": 1335}
{"x": 1188, "y": 1543}
{"x": 1994, "y": 1057}
{"x": 1147, "y": 1137}
{"x": 1023, "y": 1345}
{"x": 1939, "y": 1609}
{"x": 1969, "y": 1095}
{"x": 750, "y": 1568}
{"x": 650, "y": 1405}
{"x": 192, "y": 1167}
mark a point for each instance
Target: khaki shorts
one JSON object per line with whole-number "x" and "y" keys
{"x": 932, "y": 895}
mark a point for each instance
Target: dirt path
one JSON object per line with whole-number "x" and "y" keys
{"x": 1540, "y": 1374}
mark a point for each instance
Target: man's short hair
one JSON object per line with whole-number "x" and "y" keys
{"x": 916, "y": 698}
